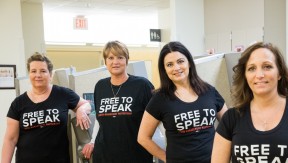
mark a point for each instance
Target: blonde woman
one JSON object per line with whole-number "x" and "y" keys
{"x": 120, "y": 101}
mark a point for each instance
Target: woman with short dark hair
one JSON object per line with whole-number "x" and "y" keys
{"x": 37, "y": 119}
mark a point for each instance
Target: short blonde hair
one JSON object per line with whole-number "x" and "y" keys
{"x": 117, "y": 48}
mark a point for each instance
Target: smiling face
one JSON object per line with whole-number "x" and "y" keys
{"x": 261, "y": 72}
{"x": 39, "y": 74}
{"x": 116, "y": 65}
{"x": 177, "y": 67}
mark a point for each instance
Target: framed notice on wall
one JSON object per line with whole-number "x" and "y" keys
{"x": 7, "y": 76}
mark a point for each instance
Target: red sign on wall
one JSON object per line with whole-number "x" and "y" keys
{"x": 80, "y": 22}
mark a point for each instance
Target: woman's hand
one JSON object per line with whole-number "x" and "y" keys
{"x": 82, "y": 115}
{"x": 87, "y": 150}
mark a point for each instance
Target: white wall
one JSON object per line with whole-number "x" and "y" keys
{"x": 13, "y": 48}
{"x": 12, "y": 51}
{"x": 33, "y": 28}
{"x": 11, "y": 37}
{"x": 187, "y": 25}
{"x": 224, "y": 15}
{"x": 231, "y": 23}
{"x": 164, "y": 23}
{"x": 275, "y": 23}
{"x": 247, "y": 21}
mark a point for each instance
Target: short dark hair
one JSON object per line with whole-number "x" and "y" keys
{"x": 40, "y": 57}
{"x": 166, "y": 85}
{"x": 241, "y": 92}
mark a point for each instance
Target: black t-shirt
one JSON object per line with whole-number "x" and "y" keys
{"x": 119, "y": 120}
{"x": 189, "y": 125}
{"x": 43, "y": 126}
{"x": 250, "y": 144}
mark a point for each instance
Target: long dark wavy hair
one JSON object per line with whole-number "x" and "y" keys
{"x": 241, "y": 93}
{"x": 167, "y": 87}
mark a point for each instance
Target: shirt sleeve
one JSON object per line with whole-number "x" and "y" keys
{"x": 13, "y": 112}
{"x": 71, "y": 97}
{"x": 17, "y": 105}
{"x": 227, "y": 123}
{"x": 147, "y": 91}
{"x": 219, "y": 100}
{"x": 154, "y": 106}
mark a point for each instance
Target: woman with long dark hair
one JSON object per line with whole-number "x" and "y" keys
{"x": 186, "y": 105}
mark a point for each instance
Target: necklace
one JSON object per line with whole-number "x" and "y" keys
{"x": 117, "y": 91}
{"x": 268, "y": 122}
{"x": 264, "y": 124}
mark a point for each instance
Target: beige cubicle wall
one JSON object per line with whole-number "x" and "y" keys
{"x": 90, "y": 57}
{"x": 149, "y": 55}
{"x": 217, "y": 71}
{"x": 81, "y": 57}
{"x": 22, "y": 84}
{"x": 59, "y": 77}
{"x": 84, "y": 81}
{"x": 231, "y": 60}
{"x": 213, "y": 70}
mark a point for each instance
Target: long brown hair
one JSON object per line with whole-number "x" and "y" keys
{"x": 241, "y": 93}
